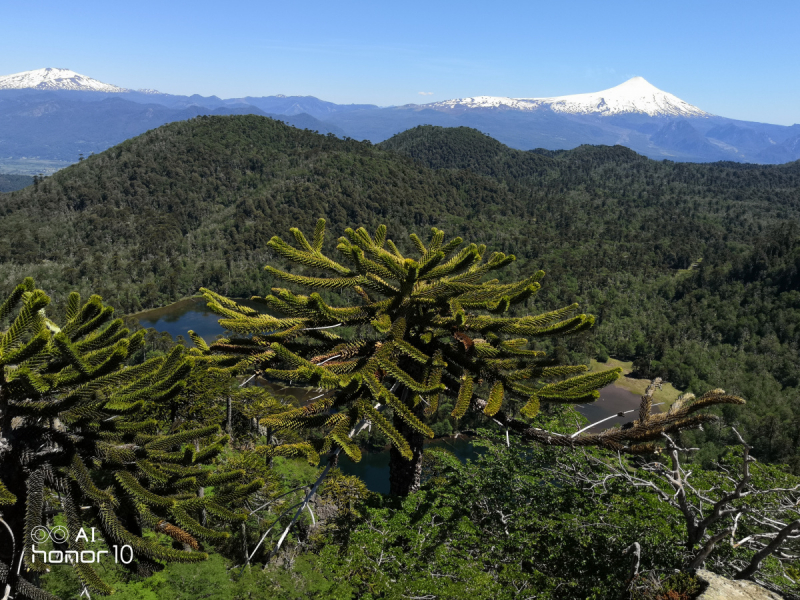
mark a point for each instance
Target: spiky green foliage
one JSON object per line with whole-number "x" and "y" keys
{"x": 426, "y": 325}
{"x": 77, "y": 437}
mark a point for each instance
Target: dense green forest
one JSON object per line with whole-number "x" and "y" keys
{"x": 544, "y": 536}
{"x": 692, "y": 269}
{"x": 12, "y": 183}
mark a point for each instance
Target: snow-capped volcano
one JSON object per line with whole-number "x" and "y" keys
{"x": 55, "y": 79}
{"x": 636, "y": 95}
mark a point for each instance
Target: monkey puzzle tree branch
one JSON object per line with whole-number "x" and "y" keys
{"x": 434, "y": 323}
{"x": 80, "y": 373}
{"x": 635, "y": 437}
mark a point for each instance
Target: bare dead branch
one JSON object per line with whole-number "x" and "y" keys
{"x": 710, "y": 515}
{"x": 636, "y": 559}
{"x": 770, "y": 548}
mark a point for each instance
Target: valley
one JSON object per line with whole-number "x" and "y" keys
{"x": 692, "y": 271}
{"x": 193, "y": 204}
{"x": 396, "y": 301}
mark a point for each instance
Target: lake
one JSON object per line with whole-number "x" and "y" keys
{"x": 178, "y": 318}
{"x": 192, "y": 313}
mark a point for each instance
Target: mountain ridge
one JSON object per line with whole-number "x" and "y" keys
{"x": 193, "y": 203}
{"x": 51, "y": 78}
{"x": 634, "y": 96}
{"x": 635, "y": 114}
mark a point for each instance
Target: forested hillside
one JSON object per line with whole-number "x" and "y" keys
{"x": 11, "y": 183}
{"x": 692, "y": 269}
{"x": 193, "y": 204}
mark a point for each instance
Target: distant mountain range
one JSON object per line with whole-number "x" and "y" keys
{"x": 635, "y": 96}
{"x": 58, "y": 114}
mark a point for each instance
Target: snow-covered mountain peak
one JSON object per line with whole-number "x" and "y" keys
{"x": 55, "y": 79}
{"x": 637, "y": 95}
{"x": 638, "y": 83}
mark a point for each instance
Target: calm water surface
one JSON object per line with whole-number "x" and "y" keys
{"x": 176, "y": 319}
{"x": 192, "y": 313}
{"x": 373, "y": 468}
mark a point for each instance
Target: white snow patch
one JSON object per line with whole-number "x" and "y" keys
{"x": 55, "y": 79}
{"x": 636, "y": 95}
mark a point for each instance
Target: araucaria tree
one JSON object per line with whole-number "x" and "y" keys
{"x": 77, "y": 444}
{"x": 423, "y": 327}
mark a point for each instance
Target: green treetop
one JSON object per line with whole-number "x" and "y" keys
{"x": 76, "y": 440}
{"x": 424, "y": 326}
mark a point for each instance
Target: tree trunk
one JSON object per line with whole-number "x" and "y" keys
{"x": 404, "y": 474}
{"x": 201, "y": 491}
{"x": 229, "y": 417}
{"x": 12, "y": 543}
{"x": 269, "y": 441}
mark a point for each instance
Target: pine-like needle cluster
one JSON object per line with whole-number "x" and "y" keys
{"x": 76, "y": 440}
{"x": 424, "y": 326}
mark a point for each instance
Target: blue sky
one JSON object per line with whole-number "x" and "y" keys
{"x": 735, "y": 59}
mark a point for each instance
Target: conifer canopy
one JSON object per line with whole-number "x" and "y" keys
{"x": 76, "y": 440}
{"x": 425, "y": 325}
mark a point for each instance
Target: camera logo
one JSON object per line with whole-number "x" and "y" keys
{"x": 60, "y": 534}
{"x": 41, "y": 534}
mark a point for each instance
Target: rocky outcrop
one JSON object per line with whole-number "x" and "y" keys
{"x": 720, "y": 588}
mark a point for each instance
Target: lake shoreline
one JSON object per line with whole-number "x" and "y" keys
{"x": 665, "y": 396}
{"x": 624, "y": 395}
{"x": 166, "y": 308}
